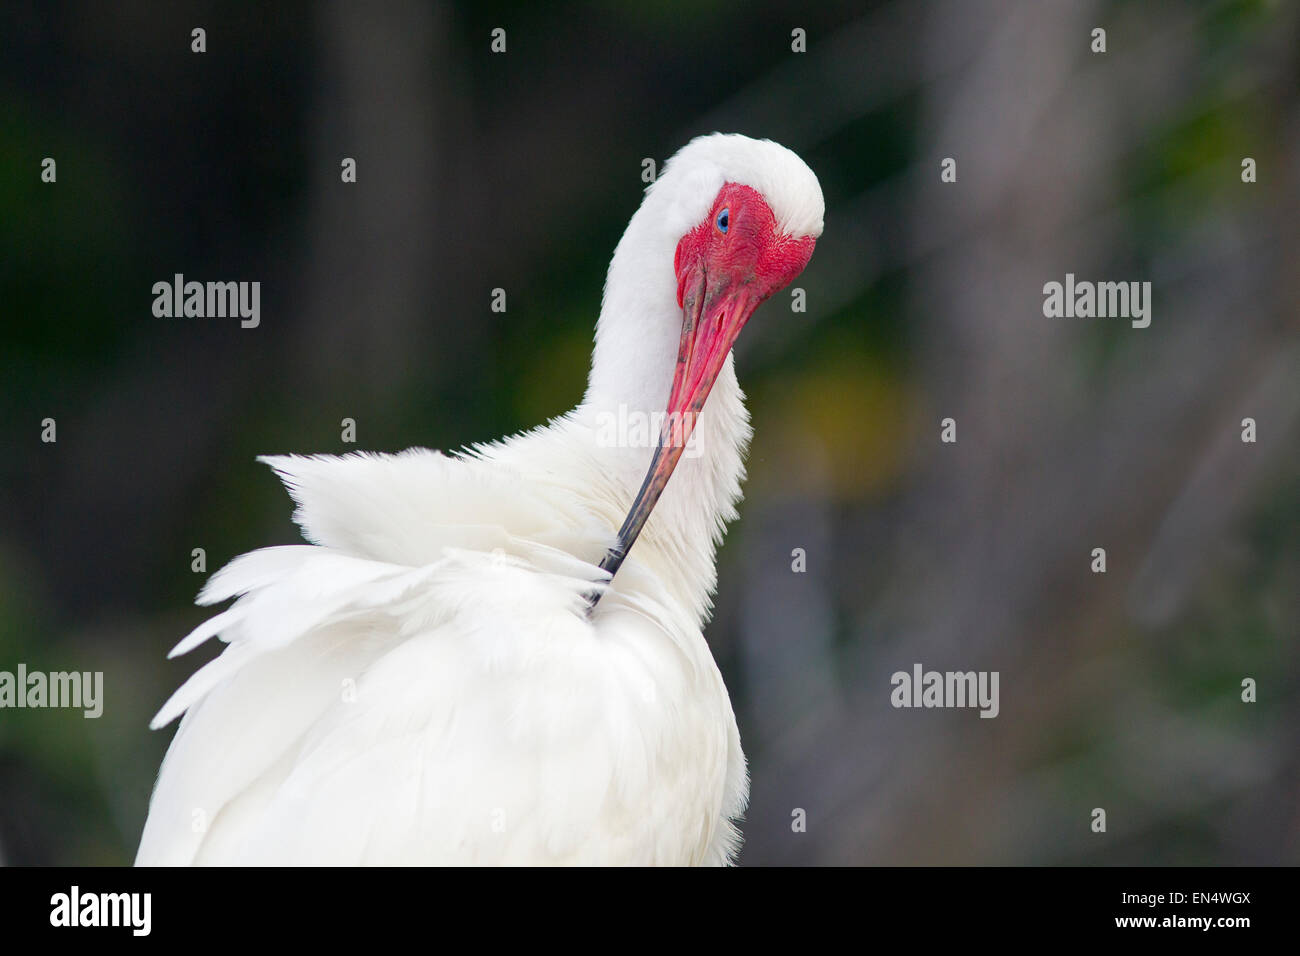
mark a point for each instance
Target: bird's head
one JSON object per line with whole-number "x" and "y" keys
{"x": 747, "y": 214}
{"x": 726, "y": 266}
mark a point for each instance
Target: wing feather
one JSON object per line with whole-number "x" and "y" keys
{"x": 422, "y": 684}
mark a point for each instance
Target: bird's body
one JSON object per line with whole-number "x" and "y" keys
{"x": 427, "y": 682}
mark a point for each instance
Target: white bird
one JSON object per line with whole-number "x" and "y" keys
{"x": 444, "y": 675}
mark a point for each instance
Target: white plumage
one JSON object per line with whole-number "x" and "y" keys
{"x": 424, "y": 684}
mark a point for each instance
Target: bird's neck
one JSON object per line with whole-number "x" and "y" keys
{"x": 631, "y": 375}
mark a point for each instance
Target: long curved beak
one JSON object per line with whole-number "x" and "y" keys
{"x": 712, "y": 316}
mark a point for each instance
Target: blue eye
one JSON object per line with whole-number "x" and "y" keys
{"x": 724, "y": 219}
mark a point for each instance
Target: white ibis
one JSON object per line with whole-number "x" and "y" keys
{"x": 445, "y": 675}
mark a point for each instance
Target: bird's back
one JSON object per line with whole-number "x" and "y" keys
{"x": 421, "y": 684}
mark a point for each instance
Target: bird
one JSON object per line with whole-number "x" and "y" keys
{"x": 496, "y": 656}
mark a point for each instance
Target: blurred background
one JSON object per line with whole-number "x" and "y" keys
{"x": 1119, "y": 690}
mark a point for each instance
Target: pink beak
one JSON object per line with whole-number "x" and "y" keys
{"x": 712, "y": 316}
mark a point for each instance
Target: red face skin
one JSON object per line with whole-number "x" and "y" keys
{"x": 722, "y": 277}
